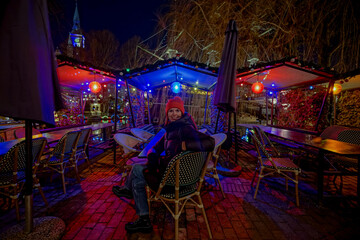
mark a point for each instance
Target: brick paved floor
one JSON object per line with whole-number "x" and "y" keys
{"x": 91, "y": 211}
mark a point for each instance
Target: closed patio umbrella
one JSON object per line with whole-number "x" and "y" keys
{"x": 29, "y": 84}
{"x": 224, "y": 95}
{"x": 225, "y": 92}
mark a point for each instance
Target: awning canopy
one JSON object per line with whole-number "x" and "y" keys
{"x": 282, "y": 75}
{"x": 78, "y": 76}
{"x": 165, "y": 73}
{"x": 278, "y": 75}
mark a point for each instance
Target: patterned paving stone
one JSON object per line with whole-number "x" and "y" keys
{"x": 91, "y": 211}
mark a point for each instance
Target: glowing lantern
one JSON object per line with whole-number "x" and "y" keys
{"x": 337, "y": 88}
{"x": 176, "y": 87}
{"x": 257, "y": 87}
{"x": 95, "y": 87}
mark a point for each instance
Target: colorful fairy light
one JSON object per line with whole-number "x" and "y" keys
{"x": 337, "y": 88}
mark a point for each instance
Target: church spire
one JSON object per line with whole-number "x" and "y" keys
{"x": 76, "y": 39}
{"x": 76, "y": 19}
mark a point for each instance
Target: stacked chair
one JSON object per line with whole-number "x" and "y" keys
{"x": 12, "y": 171}
{"x": 181, "y": 183}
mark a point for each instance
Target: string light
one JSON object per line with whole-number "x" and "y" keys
{"x": 337, "y": 89}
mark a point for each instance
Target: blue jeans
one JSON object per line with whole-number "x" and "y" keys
{"x": 136, "y": 183}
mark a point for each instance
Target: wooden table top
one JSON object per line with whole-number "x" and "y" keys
{"x": 51, "y": 136}
{"x": 311, "y": 140}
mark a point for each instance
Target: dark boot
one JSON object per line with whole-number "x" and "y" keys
{"x": 122, "y": 191}
{"x": 142, "y": 224}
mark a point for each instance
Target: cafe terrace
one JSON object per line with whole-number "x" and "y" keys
{"x": 295, "y": 127}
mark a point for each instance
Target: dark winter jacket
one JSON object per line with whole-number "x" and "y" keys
{"x": 178, "y": 131}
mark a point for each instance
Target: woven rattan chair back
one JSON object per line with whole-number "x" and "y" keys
{"x": 181, "y": 183}
{"x": 12, "y": 169}
{"x": 82, "y": 146}
{"x": 269, "y": 166}
{"x": 63, "y": 156}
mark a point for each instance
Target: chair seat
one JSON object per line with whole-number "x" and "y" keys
{"x": 168, "y": 191}
{"x": 56, "y": 158}
{"x": 7, "y": 178}
{"x": 282, "y": 163}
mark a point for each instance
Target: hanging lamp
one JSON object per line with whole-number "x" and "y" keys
{"x": 257, "y": 87}
{"x": 94, "y": 86}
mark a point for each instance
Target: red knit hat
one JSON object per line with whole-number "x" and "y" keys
{"x": 175, "y": 102}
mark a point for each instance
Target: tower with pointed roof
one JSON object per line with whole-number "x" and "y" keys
{"x": 76, "y": 39}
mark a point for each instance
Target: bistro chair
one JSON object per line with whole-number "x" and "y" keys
{"x": 62, "y": 156}
{"x": 2, "y": 139}
{"x": 265, "y": 141}
{"x": 141, "y": 134}
{"x": 269, "y": 166}
{"x": 82, "y": 146}
{"x": 12, "y": 171}
{"x": 341, "y": 165}
{"x": 211, "y": 170}
{"x": 282, "y": 149}
{"x": 129, "y": 146}
{"x": 181, "y": 183}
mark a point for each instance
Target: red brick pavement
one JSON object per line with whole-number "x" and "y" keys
{"x": 91, "y": 211}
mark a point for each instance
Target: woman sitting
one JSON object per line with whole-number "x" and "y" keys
{"x": 181, "y": 134}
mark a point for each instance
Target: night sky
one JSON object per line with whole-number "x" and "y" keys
{"x": 125, "y": 18}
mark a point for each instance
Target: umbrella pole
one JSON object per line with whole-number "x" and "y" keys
{"x": 236, "y": 146}
{"x": 129, "y": 99}
{"x": 206, "y": 103}
{"x": 217, "y": 120}
{"x": 28, "y": 178}
{"x": 266, "y": 107}
{"x": 115, "y": 116}
{"x": 328, "y": 91}
{"x": 148, "y": 100}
